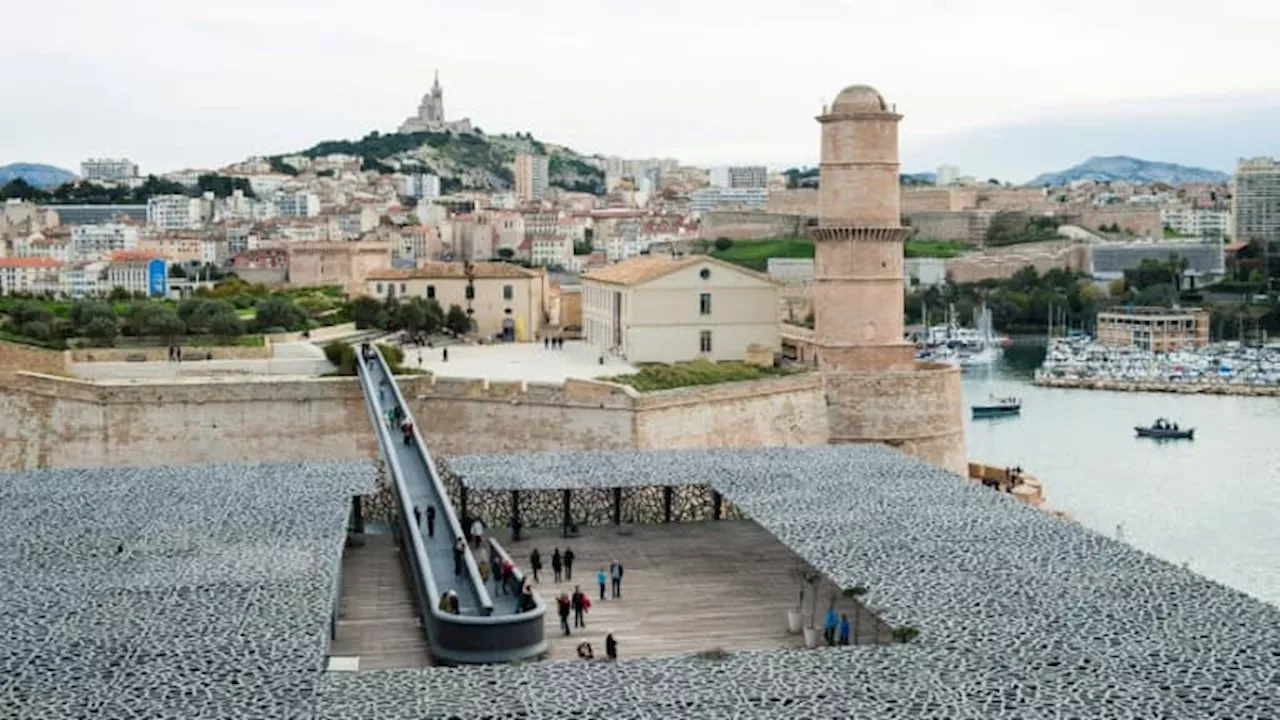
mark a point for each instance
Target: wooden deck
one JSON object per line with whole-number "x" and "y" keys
{"x": 687, "y": 588}
{"x": 378, "y": 622}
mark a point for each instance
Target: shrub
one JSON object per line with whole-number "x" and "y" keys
{"x": 341, "y": 354}
{"x": 723, "y": 243}
{"x": 855, "y": 591}
{"x": 905, "y": 633}
{"x": 714, "y": 654}
{"x": 393, "y": 355}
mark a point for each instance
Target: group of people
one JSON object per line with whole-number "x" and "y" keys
{"x": 836, "y": 624}
{"x": 614, "y": 578}
{"x": 553, "y": 343}
{"x": 175, "y": 353}
{"x": 431, "y": 519}
{"x": 578, "y": 603}
{"x": 610, "y": 649}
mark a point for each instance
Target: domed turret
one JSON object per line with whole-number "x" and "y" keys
{"x": 859, "y": 99}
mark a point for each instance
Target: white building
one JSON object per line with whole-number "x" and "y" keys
{"x": 1197, "y": 223}
{"x": 108, "y": 169}
{"x": 82, "y": 279}
{"x": 95, "y": 241}
{"x": 267, "y": 185}
{"x": 711, "y": 198}
{"x": 186, "y": 178}
{"x": 740, "y": 176}
{"x": 174, "y": 212}
{"x": 420, "y": 185}
{"x": 660, "y": 308}
{"x": 947, "y": 175}
{"x": 133, "y": 271}
{"x": 34, "y": 275}
{"x": 297, "y": 204}
{"x": 550, "y": 250}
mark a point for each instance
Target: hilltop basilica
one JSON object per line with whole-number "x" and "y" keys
{"x": 430, "y": 117}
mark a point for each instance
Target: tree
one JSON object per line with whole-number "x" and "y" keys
{"x": 102, "y": 330}
{"x": 456, "y": 320}
{"x": 366, "y": 312}
{"x": 723, "y": 243}
{"x": 119, "y": 294}
{"x": 506, "y": 253}
{"x": 277, "y": 312}
{"x": 86, "y": 311}
{"x": 164, "y": 323}
{"x": 226, "y": 325}
{"x": 419, "y": 316}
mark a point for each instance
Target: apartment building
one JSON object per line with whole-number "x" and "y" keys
{"x": 33, "y": 275}
{"x": 300, "y": 204}
{"x": 53, "y": 243}
{"x": 108, "y": 169}
{"x": 1255, "y": 205}
{"x": 660, "y": 308}
{"x": 504, "y": 301}
{"x": 96, "y": 241}
{"x": 742, "y": 176}
{"x": 551, "y": 250}
{"x": 712, "y": 198}
{"x": 419, "y": 185}
{"x": 174, "y": 212}
{"x": 532, "y": 173}
{"x": 1208, "y": 224}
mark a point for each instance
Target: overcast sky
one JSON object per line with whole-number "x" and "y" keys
{"x": 188, "y": 83}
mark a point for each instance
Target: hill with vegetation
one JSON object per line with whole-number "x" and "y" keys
{"x": 1121, "y": 167}
{"x": 35, "y": 174}
{"x": 461, "y": 160}
{"x": 88, "y": 193}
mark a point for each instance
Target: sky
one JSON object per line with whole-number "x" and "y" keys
{"x": 1003, "y": 88}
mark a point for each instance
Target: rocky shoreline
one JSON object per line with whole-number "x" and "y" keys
{"x": 1161, "y": 386}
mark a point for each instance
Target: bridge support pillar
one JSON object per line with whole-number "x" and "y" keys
{"x": 617, "y": 506}
{"x": 717, "y": 501}
{"x": 566, "y": 518}
{"x": 666, "y": 503}
{"x": 515, "y": 516}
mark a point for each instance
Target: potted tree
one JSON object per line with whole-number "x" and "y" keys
{"x": 814, "y": 580}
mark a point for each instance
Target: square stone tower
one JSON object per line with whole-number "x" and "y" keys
{"x": 876, "y": 390}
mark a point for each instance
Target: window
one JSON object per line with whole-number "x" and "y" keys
{"x": 471, "y": 292}
{"x": 431, "y": 292}
{"x": 401, "y": 288}
{"x": 704, "y": 341}
{"x": 705, "y": 274}
{"x": 508, "y": 292}
{"x": 704, "y": 304}
{"x": 379, "y": 289}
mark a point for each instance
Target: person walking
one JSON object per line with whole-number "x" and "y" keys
{"x": 477, "y": 532}
{"x": 844, "y": 629}
{"x": 610, "y": 647}
{"x": 600, "y": 580}
{"x": 562, "y": 607}
{"x": 557, "y": 565}
{"x": 832, "y": 621}
{"x": 568, "y": 563}
{"x": 431, "y": 521}
{"x": 417, "y": 516}
{"x": 459, "y": 548}
{"x": 535, "y": 564}
{"x": 615, "y": 573}
{"x": 508, "y": 572}
{"x": 579, "y": 607}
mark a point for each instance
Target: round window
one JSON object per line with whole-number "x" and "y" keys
{"x": 705, "y": 274}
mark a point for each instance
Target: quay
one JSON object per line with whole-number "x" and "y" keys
{"x": 1157, "y": 386}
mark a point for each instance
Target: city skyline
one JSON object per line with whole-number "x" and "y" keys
{"x": 635, "y": 82}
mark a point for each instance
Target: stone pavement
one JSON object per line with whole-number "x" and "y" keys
{"x": 517, "y": 361}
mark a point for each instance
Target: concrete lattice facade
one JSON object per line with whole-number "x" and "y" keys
{"x": 875, "y": 389}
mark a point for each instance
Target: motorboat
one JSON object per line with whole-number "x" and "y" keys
{"x": 999, "y": 407}
{"x": 1162, "y": 429}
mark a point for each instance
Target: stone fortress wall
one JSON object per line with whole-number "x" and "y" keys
{"x": 53, "y": 422}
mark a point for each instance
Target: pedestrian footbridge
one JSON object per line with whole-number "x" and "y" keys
{"x": 485, "y": 629}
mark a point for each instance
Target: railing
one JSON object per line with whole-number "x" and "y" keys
{"x": 490, "y": 637}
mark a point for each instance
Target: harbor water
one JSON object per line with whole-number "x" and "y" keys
{"x": 1212, "y": 504}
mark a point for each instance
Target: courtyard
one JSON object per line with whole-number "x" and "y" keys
{"x": 530, "y": 362}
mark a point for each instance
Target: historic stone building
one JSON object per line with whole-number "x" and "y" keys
{"x": 876, "y": 390}
{"x": 430, "y": 116}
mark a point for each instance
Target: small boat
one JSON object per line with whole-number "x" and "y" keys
{"x": 1162, "y": 429}
{"x": 999, "y": 407}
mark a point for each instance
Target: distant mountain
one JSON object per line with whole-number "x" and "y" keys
{"x": 1120, "y": 167}
{"x": 37, "y": 175}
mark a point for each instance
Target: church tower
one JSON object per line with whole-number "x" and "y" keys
{"x": 437, "y": 101}
{"x": 876, "y": 391}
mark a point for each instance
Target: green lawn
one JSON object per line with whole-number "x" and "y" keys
{"x": 657, "y": 376}
{"x": 755, "y": 254}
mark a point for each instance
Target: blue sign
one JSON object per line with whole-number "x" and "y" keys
{"x": 157, "y": 277}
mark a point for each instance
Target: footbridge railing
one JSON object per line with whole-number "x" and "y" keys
{"x": 480, "y": 632}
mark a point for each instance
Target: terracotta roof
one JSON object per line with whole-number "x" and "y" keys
{"x": 127, "y": 255}
{"x": 1236, "y": 246}
{"x": 643, "y": 268}
{"x": 29, "y": 262}
{"x": 457, "y": 270}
